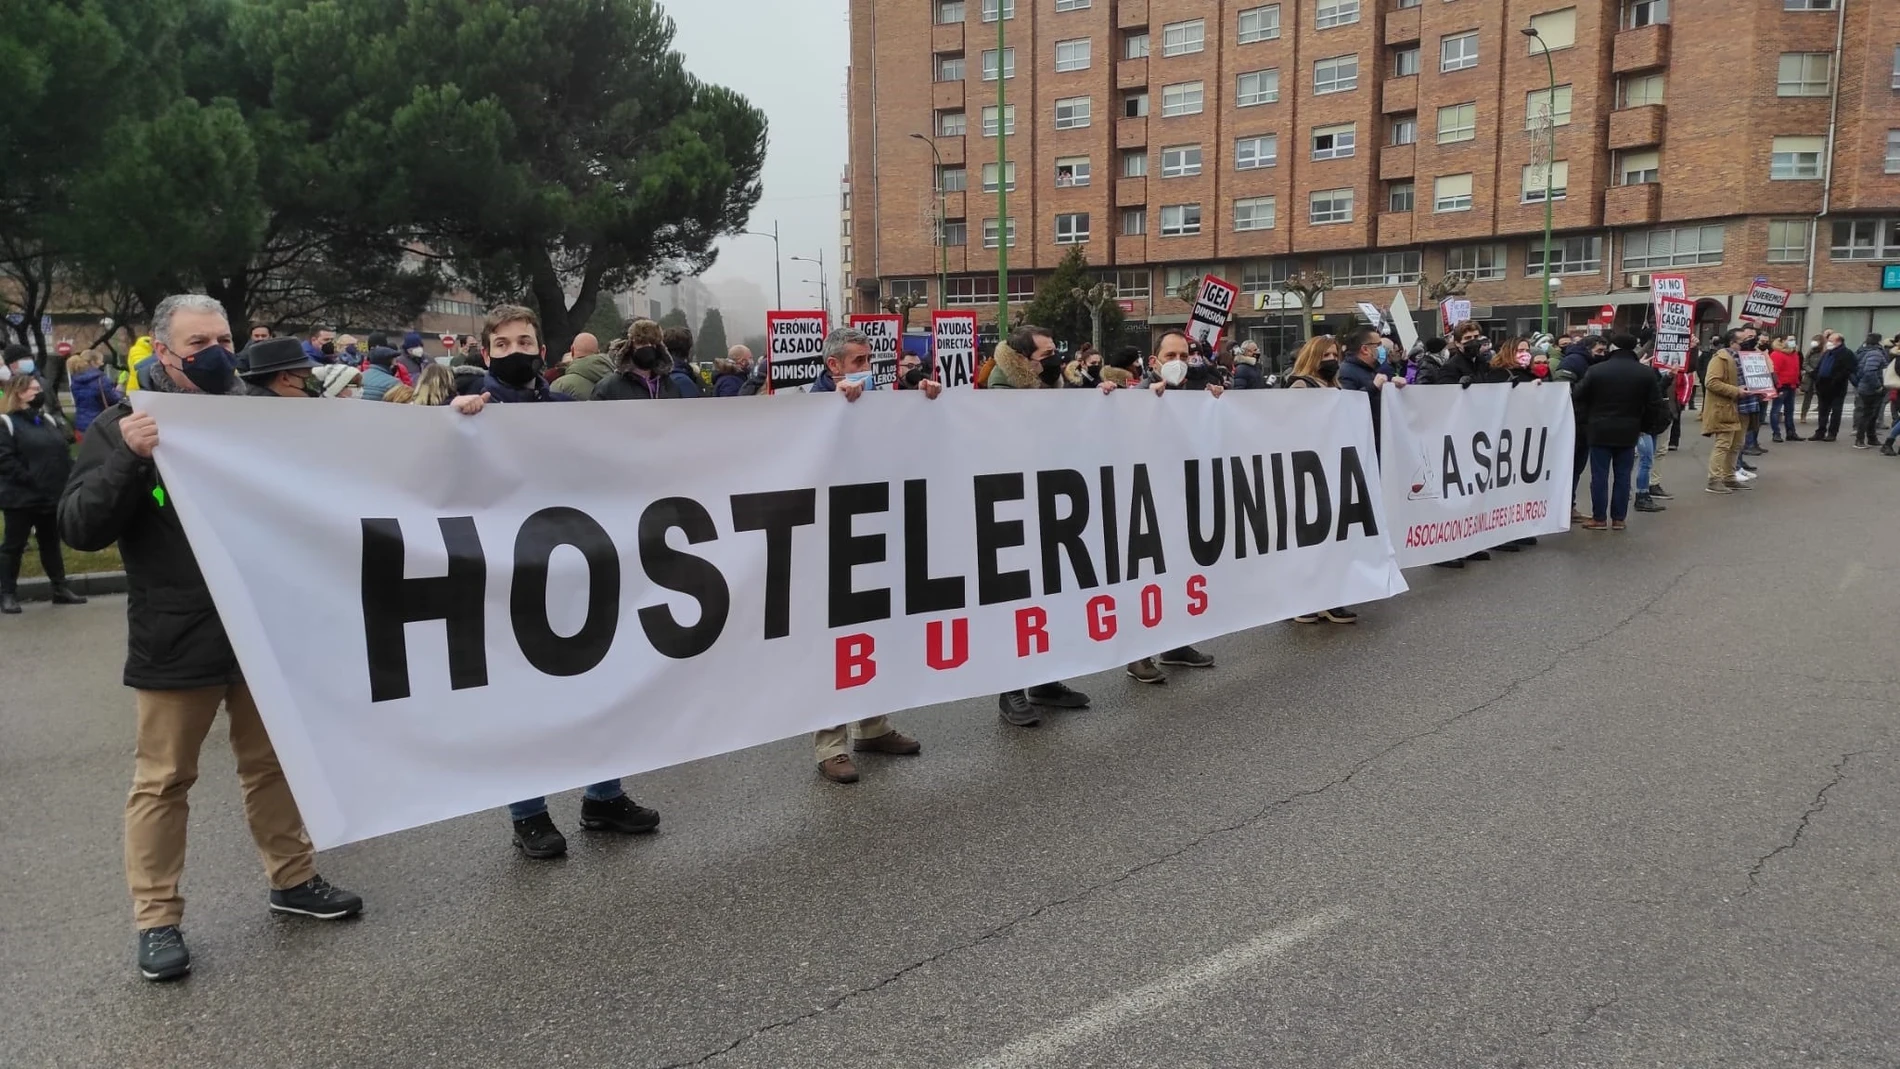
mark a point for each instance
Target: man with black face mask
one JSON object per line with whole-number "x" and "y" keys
{"x": 178, "y": 660}
{"x": 643, "y": 368}
{"x": 514, "y": 356}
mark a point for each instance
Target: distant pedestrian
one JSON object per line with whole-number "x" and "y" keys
{"x": 93, "y": 391}
{"x": 1247, "y": 373}
{"x": 34, "y": 464}
{"x": 1870, "y": 392}
{"x": 1613, "y": 399}
{"x": 1832, "y": 376}
{"x": 1787, "y": 365}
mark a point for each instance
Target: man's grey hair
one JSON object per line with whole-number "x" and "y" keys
{"x": 181, "y": 302}
{"x": 843, "y": 336}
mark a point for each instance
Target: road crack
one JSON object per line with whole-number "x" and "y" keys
{"x": 1583, "y": 1020}
{"x": 1801, "y": 826}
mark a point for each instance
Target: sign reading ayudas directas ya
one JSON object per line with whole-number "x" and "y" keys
{"x": 784, "y": 582}
{"x": 1466, "y": 469}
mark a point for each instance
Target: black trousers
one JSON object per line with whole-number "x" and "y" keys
{"x": 20, "y": 524}
{"x": 1833, "y": 399}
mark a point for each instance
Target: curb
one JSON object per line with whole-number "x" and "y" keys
{"x": 89, "y": 585}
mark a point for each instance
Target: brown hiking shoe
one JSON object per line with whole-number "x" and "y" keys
{"x": 891, "y": 742}
{"x": 839, "y": 769}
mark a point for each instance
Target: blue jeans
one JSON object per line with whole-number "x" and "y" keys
{"x": 1781, "y": 412}
{"x": 1893, "y": 432}
{"x": 1645, "y": 460}
{"x": 1605, "y": 497}
{"x": 604, "y": 791}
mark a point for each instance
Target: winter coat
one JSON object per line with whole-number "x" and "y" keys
{"x": 1869, "y": 364}
{"x": 1835, "y": 369}
{"x": 728, "y": 380}
{"x": 378, "y": 379}
{"x": 581, "y": 376}
{"x": 536, "y": 390}
{"x": 1721, "y": 384}
{"x": 1787, "y": 367}
{"x": 1456, "y": 370}
{"x": 1354, "y": 375}
{"x": 410, "y": 366}
{"x": 34, "y": 461}
{"x": 1247, "y": 373}
{"x": 174, "y": 639}
{"x": 1613, "y": 399}
{"x": 1014, "y": 371}
{"x": 630, "y": 385}
{"x": 93, "y": 393}
{"x": 687, "y": 381}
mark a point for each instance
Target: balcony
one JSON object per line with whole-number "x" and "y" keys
{"x": 1399, "y": 94}
{"x": 1131, "y": 133}
{"x": 1131, "y": 74}
{"x": 1636, "y": 127}
{"x": 947, "y": 37}
{"x": 1131, "y": 250}
{"x": 1640, "y": 49}
{"x": 946, "y": 96}
{"x": 1638, "y": 205}
{"x": 1395, "y": 229}
{"x": 1131, "y": 192}
{"x": 950, "y": 149}
{"x": 1131, "y": 15}
{"x": 1397, "y": 161}
{"x": 1401, "y": 26}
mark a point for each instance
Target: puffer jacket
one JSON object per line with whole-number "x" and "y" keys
{"x": 1869, "y": 365}
{"x": 1014, "y": 371}
{"x": 579, "y": 378}
{"x": 34, "y": 461}
{"x": 93, "y": 393}
{"x": 1247, "y": 374}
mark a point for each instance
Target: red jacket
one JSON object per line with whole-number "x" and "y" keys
{"x": 1787, "y": 368}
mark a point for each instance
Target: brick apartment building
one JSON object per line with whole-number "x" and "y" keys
{"x": 1388, "y": 142}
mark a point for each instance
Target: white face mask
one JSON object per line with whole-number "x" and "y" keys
{"x": 1174, "y": 372}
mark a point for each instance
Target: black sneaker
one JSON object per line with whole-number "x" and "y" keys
{"x": 1340, "y": 616}
{"x": 1187, "y": 657}
{"x": 1646, "y": 503}
{"x": 1452, "y": 564}
{"x": 1656, "y": 491}
{"x": 537, "y": 837}
{"x": 316, "y": 897}
{"x": 618, "y": 814}
{"x": 162, "y": 953}
{"x": 1483, "y": 554}
{"x": 1057, "y": 696}
{"x": 1508, "y": 547}
{"x": 1146, "y": 671}
{"x": 1014, "y": 709}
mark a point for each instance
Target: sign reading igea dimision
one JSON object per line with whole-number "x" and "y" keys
{"x": 794, "y": 349}
{"x": 783, "y": 582}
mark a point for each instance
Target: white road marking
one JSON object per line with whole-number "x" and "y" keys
{"x": 1041, "y": 1049}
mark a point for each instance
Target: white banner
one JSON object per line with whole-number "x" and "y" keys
{"x": 1468, "y": 469}
{"x": 427, "y": 640}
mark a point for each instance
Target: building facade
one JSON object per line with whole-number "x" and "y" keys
{"x": 1389, "y": 143}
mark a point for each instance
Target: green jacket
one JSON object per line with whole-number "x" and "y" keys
{"x": 581, "y": 376}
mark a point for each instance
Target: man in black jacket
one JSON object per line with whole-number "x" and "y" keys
{"x": 178, "y": 660}
{"x": 1612, "y": 399}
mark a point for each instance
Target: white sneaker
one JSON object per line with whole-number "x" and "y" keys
{"x": 1745, "y": 475}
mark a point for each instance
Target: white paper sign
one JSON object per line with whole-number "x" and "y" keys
{"x": 794, "y": 349}
{"x": 1402, "y": 320}
{"x": 954, "y": 343}
{"x": 887, "y": 337}
{"x": 1212, "y": 307}
{"x": 1455, "y": 310}
{"x": 1468, "y": 469}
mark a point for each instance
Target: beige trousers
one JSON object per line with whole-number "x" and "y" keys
{"x": 1724, "y": 447}
{"x": 833, "y": 741}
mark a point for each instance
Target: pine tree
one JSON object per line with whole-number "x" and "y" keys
{"x": 710, "y": 343}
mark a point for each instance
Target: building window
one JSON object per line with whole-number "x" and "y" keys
{"x": 1135, "y": 46}
{"x": 1260, "y": 24}
{"x": 1803, "y": 74}
{"x": 950, "y": 124}
{"x": 1336, "y": 75}
{"x": 1374, "y": 269}
{"x": 1457, "y": 52}
{"x": 1255, "y": 152}
{"x": 1554, "y": 103}
{"x": 1687, "y": 246}
{"x": 1180, "y": 276}
{"x": 1404, "y": 130}
{"x": 1181, "y": 98}
{"x": 1451, "y": 193}
{"x": 1134, "y": 285}
{"x": 989, "y": 177}
{"x": 1400, "y": 196}
{"x": 1639, "y": 90}
{"x": 1866, "y": 239}
{"x": 1893, "y": 152}
{"x": 952, "y": 179}
{"x": 1134, "y": 221}
{"x": 950, "y": 66}
{"x": 989, "y": 64}
{"x": 1479, "y": 262}
{"x": 1009, "y": 120}
{"x": 1636, "y": 168}
{"x": 1787, "y": 241}
{"x": 990, "y": 7}
{"x": 1182, "y": 38}
{"x": 1258, "y": 87}
{"x": 1072, "y": 113}
{"x": 949, "y": 11}
{"x": 1807, "y": 5}
{"x": 1262, "y": 276}
{"x": 1180, "y": 219}
{"x": 1896, "y": 66}
{"x": 1329, "y": 206}
{"x": 1405, "y": 61}
{"x": 989, "y": 233}
{"x": 1134, "y": 163}
{"x": 1568, "y": 256}
{"x": 1071, "y": 5}
{"x": 1796, "y": 157}
{"x": 1638, "y": 13}
{"x": 1072, "y": 228}
{"x": 1457, "y": 122}
{"x": 956, "y": 232}
{"x": 1181, "y": 161}
{"x": 1334, "y": 142}
{"x": 1336, "y": 13}
{"x": 1253, "y": 213}
{"x": 910, "y": 289}
{"x": 1072, "y": 55}
{"x": 1557, "y": 29}
{"x": 1404, "y": 5}
{"x": 1072, "y": 172}
{"x": 1534, "y": 181}
{"x": 1135, "y": 105}
{"x": 981, "y": 289}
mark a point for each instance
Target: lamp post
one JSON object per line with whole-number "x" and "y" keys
{"x": 1550, "y": 160}
{"x": 943, "y": 247}
{"x": 778, "y": 280}
{"x": 824, "y": 298}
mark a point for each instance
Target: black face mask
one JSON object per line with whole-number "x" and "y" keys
{"x": 914, "y": 379}
{"x": 329, "y": 348}
{"x": 38, "y": 402}
{"x": 209, "y": 369}
{"x": 1473, "y": 350}
{"x": 1051, "y": 367}
{"x": 1329, "y": 368}
{"x": 515, "y": 369}
{"x": 651, "y": 358}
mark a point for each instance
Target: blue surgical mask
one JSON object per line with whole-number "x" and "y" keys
{"x": 25, "y": 367}
{"x": 1383, "y": 355}
{"x": 866, "y": 379}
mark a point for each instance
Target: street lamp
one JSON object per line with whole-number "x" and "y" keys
{"x": 778, "y": 281}
{"x": 1550, "y": 160}
{"x": 824, "y": 298}
{"x": 943, "y": 247}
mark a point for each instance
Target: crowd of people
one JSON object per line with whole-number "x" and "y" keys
{"x": 180, "y": 662}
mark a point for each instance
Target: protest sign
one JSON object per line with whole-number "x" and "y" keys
{"x": 794, "y": 349}
{"x": 1764, "y": 304}
{"x": 1675, "y": 320}
{"x": 1675, "y": 287}
{"x": 1757, "y": 372}
{"x": 1212, "y": 307}
{"x": 1465, "y": 469}
{"x": 886, "y": 333}
{"x": 1402, "y": 320}
{"x": 953, "y": 337}
{"x": 1453, "y": 311}
{"x": 779, "y": 584}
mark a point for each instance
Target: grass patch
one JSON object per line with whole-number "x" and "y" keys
{"x": 77, "y": 562}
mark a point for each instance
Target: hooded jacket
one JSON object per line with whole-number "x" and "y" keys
{"x": 378, "y": 378}
{"x": 34, "y": 461}
{"x": 135, "y": 361}
{"x": 1014, "y": 371}
{"x": 630, "y": 385}
{"x": 1247, "y": 373}
{"x": 582, "y": 376}
{"x": 93, "y": 393}
{"x": 728, "y": 380}
{"x": 1869, "y": 364}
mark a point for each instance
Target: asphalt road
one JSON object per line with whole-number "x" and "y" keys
{"x": 1623, "y": 800}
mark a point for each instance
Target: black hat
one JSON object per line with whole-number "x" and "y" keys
{"x": 276, "y": 354}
